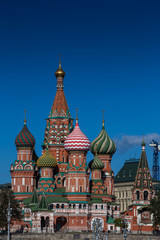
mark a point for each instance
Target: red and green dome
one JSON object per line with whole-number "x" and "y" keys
{"x": 103, "y": 144}
{"x": 47, "y": 160}
{"x": 25, "y": 138}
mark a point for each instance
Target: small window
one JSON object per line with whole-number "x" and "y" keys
{"x": 80, "y": 188}
{"x": 80, "y": 206}
{"x": 101, "y": 206}
{"x": 57, "y": 206}
{"x": 74, "y": 206}
{"x": 69, "y": 205}
{"x": 62, "y": 206}
{"x": 84, "y": 206}
{"x": 96, "y": 207}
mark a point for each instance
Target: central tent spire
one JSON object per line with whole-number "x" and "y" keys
{"x": 60, "y": 106}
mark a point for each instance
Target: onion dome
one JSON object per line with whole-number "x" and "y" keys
{"x": 25, "y": 138}
{"x": 96, "y": 163}
{"x": 103, "y": 144}
{"x": 46, "y": 160}
{"x": 60, "y": 72}
{"x": 143, "y": 143}
{"x": 76, "y": 140}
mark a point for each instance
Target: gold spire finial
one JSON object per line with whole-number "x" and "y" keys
{"x": 76, "y": 115}
{"x": 59, "y": 72}
{"x": 59, "y": 60}
{"x": 25, "y": 117}
{"x": 103, "y": 118}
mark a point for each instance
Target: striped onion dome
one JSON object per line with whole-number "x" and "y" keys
{"x": 103, "y": 144}
{"x": 76, "y": 140}
{"x": 25, "y": 138}
{"x": 46, "y": 160}
{"x": 96, "y": 163}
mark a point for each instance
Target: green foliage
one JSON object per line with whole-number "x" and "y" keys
{"x": 154, "y": 209}
{"x": 119, "y": 222}
{"x": 5, "y": 195}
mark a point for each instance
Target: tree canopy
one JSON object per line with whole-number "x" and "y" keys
{"x": 5, "y": 195}
{"x": 154, "y": 208}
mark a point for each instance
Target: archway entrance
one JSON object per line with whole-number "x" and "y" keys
{"x": 43, "y": 223}
{"x": 61, "y": 223}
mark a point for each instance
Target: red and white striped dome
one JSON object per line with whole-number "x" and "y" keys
{"x": 76, "y": 140}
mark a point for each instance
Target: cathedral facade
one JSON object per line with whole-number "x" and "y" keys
{"x": 59, "y": 191}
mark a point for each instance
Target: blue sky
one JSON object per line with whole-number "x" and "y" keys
{"x": 111, "y": 55}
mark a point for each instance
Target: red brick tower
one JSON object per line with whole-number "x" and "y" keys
{"x": 143, "y": 190}
{"x": 96, "y": 166}
{"x": 77, "y": 181}
{"x": 24, "y": 170}
{"x": 59, "y": 125}
{"x": 47, "y": 164}
{"x": 104, "y": 147}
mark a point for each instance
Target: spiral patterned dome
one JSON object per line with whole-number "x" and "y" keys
{"x": 25, "y": 138}
{"x": 76, "y": 140}
{"x": 46, "y": 160}
{"x": 103, "y": 144}
{"x": 96, "y": 163}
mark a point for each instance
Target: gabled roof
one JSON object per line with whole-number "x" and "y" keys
{"x": 128, "y": 172}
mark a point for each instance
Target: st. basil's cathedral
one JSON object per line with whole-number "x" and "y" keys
{"x": 59, "y": 190}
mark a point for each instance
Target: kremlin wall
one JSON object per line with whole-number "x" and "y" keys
{"x": 59, "y": 191}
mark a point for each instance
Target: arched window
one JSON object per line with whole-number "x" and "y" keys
{"x": 96, "y": 207}
{"x": 80, "y": 188}
{"x": 145, "y": 195}
{"x": 69, "y": 205}
{"x": 57, "y": 206}
{"x": 101, "y": 206}
{"x": 64, "y": 182}
{"x": 137, "y": 195}
{"x": 62, "y": 206}
{"x": 84, "y": 206}
{"x": 74, "y": 206}
{"x": 80, "y": 206}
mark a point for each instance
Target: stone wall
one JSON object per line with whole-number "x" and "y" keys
{"x": 76, "y": 236}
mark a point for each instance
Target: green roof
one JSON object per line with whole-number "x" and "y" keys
{"x": 56, "y": 199}
{"x": 128, "y": 172}
{"x": 110, "y": 220}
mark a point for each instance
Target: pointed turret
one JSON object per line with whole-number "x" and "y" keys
{"x": 43, "y": 203}
{"x": 143, "y": 176}
{"x": 34, "y": 199}
{"x": 143, "y": 190}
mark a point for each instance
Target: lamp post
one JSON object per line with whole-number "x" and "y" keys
{"x": 125, "y": 229}
{"x": 9, "y": 209}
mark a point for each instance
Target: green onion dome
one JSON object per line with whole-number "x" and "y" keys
{"x": 24, "y": 138}
{"x": 143, "y": 144}
{"x": 96, "y": 163}
{"x": 46, "y": 160}
{"x": 103, "y": 144}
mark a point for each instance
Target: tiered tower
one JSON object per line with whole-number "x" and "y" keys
{"x": 143, "y": 190}
{"x": 24, "y": 171}
{"x": 59, "y": 125}
{"x": 47, "y": 164}
{"x": 77, "y": 181}
{"x": 104, "y": 147}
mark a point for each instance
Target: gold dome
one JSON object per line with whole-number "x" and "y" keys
{"x": 59, "y": 72}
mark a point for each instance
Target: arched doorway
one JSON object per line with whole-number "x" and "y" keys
{"x": 43, "y": 223}
{"x": 61, "y": 223}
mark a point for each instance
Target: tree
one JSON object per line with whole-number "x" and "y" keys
{"x": 119, "y": 222}
{"x": 5, "y": 195}
{"x": 154, "y": 209}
